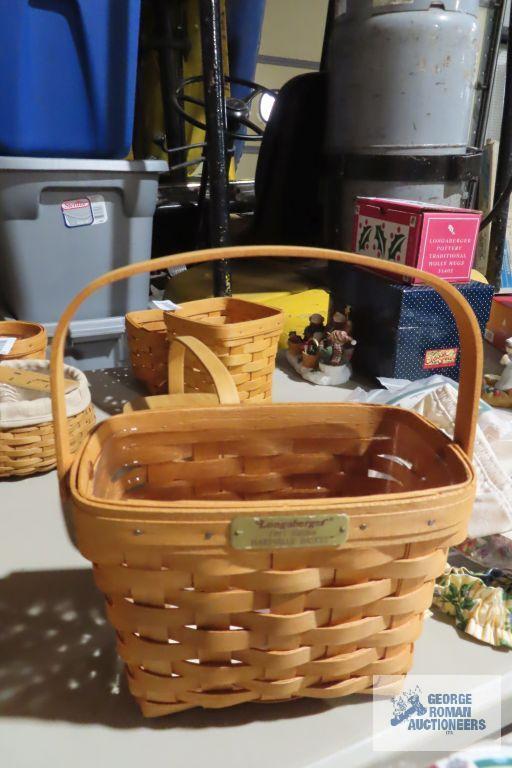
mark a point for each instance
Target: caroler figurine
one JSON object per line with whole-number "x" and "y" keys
{"x": 325, "y": 352}
{"x": 295, "y": 343}
{"x": 315, "y": 329}
{"x": 338, "y": 349}
{"x": 498, "y": 389}
{"x": 348, "y": 322}
{"x": 311, "y": 353}
{"x": 340, "y": 321}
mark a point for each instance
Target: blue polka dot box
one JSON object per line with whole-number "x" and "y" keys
{"x": 403, "y": 331}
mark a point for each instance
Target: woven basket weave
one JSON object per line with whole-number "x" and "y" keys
{"x": 206, "y": 619}
{"x": 244, "y": 336}
{"x": 31, "y": 340}
{"x": 29, "y": 448}
{"x": 225, "y": 392}
{"x": 149, "y": 348}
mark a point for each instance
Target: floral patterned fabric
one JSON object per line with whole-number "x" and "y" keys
{"x": 489, "y": 551}
{"x": 480, "y": 603}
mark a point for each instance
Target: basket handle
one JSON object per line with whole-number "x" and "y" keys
{"x": 469, "y": 331}
{"x": 224, "y": 385}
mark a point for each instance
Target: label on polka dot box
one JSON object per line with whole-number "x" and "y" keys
{"x": 440, "y": 358}
{"x": 438, "y": 240}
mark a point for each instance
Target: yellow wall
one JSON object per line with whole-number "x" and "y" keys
{"x": 291, "y": 44}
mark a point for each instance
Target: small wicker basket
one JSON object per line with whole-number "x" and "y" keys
{"x": 244, "y": 336}
{"x": 27, "y": 440}
{"x": 31, "y": 340}
{"x": 268, "y": 552}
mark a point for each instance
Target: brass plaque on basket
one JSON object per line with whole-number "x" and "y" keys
{"x": 297, "y": 532}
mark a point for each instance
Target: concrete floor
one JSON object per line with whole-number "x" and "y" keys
{"x": 63, "y": 700}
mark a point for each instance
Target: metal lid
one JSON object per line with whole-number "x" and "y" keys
{"x": 78, "y": 164}
{"x": 376, "y": 7}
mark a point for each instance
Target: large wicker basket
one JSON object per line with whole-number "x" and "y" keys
{"x": 31, "y": 340}
{"x": 269, "y": 552}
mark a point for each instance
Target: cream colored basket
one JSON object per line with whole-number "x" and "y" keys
{"x": 27, "y": 440}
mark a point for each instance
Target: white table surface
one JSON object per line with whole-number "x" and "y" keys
{"x": 63, "y": 700}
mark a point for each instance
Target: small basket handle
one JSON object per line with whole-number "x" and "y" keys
{"x": 224, "y": 385}
{"x": 469, "y": 331}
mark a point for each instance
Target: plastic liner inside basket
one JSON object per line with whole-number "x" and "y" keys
{"x": 273, "y": 452}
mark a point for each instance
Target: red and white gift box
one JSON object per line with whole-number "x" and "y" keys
{"x": 437, "y": 239}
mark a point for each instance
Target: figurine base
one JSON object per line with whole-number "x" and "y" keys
{"x": 503, "y": 400}
{"x": 493, "y": 396}
{"x": 327, "y": 376}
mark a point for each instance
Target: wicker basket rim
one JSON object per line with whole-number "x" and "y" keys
{"x": 189, "y": 307}
{"x": 185, "y": 510}
{"x": 29, "y": 337}
{"x": 81, "y": 469}
{"x": 141, "y": 318}
{"x": 32, "y": 329}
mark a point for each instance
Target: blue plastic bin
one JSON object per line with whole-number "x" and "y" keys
{"x": 67, "y": 80}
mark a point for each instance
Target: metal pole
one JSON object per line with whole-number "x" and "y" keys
{"x": 486, "y": 88}
{"x": 216, "y": 151}
{"x": 487, "y": 85}
{"x": 504, "y": 172}
{"x": 172, "y": 44}
{"x": 329, "y": 22}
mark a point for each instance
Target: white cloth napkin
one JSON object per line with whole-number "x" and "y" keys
{"x": 20, "y": 407}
